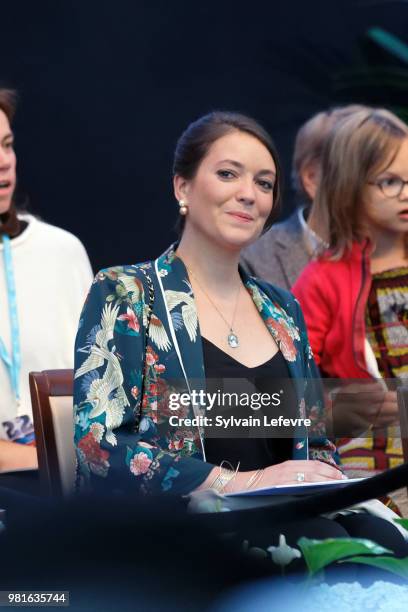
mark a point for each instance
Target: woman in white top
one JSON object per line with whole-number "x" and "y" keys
{"x": 44, "y": 277}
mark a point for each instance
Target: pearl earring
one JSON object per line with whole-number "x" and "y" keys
{"x": 183, "y": 210}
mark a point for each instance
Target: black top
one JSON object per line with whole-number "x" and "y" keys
{"x": 270, "y": 377}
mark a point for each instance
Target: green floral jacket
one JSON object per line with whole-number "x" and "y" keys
{"x": 123, "y": 438}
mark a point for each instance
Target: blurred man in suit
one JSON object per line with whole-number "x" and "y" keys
{"x": 283, "y": 251}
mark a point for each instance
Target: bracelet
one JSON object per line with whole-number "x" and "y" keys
{"x": 221, "y": 480}
{"x": 223, "y": 477}
{"x": 255, "y": 479}
{"x": 251, "y": 480}
{"x": 234, "y": 476}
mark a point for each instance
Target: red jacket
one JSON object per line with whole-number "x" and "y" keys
{"x": 333, "y": 296}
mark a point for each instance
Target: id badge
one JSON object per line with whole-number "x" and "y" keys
{"x": 20, "y": 429}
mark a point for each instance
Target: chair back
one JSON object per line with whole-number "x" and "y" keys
{"x": 51, "y": 397}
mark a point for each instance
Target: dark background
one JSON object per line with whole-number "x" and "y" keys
{"x": 107, "y": 87}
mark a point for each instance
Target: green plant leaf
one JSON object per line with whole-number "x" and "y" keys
{"x": 319, "y": 553}
{"x": 402, "y": 521}
{"x": 390, "y": 564}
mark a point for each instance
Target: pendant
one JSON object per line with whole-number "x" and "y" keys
{"x": 232, "y": 340}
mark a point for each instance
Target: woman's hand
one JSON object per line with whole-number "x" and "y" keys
{"x": 285, "y": 474}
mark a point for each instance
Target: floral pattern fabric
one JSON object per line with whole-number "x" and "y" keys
{"x": 123, "y": 439}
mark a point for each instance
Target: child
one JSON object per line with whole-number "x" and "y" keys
{"x": 355, "y": 296}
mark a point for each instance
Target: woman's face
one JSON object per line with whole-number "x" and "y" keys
{"x": 7, "y": 164}
{"x": 382, "y": 213}
{"x": 231, "y": 196}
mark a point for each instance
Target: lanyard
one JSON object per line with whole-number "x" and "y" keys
{"x": 13, "y": 361}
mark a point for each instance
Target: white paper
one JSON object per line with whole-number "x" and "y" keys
{"x": 295, "y": 489}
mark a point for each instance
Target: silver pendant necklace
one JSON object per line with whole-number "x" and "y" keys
{"x": 232, "y": 338}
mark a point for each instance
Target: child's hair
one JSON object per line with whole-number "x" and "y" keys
{"x": 357, "y": 148}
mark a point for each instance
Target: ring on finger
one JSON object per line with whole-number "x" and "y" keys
{"x": 300, "y": 477}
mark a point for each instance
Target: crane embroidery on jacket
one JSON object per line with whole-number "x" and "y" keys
{"x": 106, "y": 394}
{"x": 188, "y": 315}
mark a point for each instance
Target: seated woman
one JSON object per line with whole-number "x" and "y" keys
{"x": 45, "y": 273}
{"x": 189, "y": 313}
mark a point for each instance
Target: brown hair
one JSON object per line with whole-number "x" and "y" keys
{"x": 9, "y": 222}
{"x": 357, "y": 147}
{"x": 310, "y": 140}
{"x": 195, "y": 142}
{"x": 8, "y": 102}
